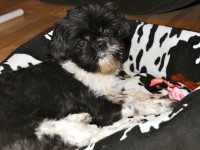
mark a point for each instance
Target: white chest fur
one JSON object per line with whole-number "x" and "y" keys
{"x": 100, "y": 84}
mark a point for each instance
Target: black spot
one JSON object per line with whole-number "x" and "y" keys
{"x": 139, "y": 83}
{"x": 132, "y": 67}
{"x": 130, "y": 117}
{"x": 162, "y": 62}
{"x": 130, "y": 57}
{"x": 121, "y": 73}
{"x": 151, "y": 37}
{"x": 174, "y": 32}
{"x": 157, "y": 115}
{"x": 157, "y": 61}
{"x": 162, "y": 39}
{"x": 138, "y": 59}
{"x": 144, "y": 120}
{"x": 140, "y": 33}
{"x": 143, "y": 70}
{"x": 146, "y": 80}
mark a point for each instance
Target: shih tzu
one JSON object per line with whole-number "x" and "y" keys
{"x": 87, "y": 49}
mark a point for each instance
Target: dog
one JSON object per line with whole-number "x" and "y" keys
{"x": 87, "y": 50}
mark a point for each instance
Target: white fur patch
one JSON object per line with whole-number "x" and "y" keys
{"x": 71, "y": 129}
{"x": 100, "y": 84}
{"x": 74, "y": 130}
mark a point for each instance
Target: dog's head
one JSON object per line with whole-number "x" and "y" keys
{"x": 91, "y": 36}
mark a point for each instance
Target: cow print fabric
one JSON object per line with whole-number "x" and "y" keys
{"x": 163, "y": 51}
{"x": 155, "y": 51}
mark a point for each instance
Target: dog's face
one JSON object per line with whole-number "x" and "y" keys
{"x": 91, "y": 36}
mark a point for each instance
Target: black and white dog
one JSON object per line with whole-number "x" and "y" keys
{"x": 87, "y": 49}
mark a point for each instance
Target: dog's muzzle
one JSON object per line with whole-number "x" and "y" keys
{"x": 101, "y": 45}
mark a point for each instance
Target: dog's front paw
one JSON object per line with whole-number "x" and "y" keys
{"x": 153, "y": 106}
{"x": 81, "y": 117}
{"x": 128, "y": 110}
{"x": 146, "y": 107}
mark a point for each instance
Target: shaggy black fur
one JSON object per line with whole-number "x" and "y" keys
{"x": 93, "y": 21}
{"x": 30, "y": 95}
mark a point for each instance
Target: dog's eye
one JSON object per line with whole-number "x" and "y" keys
{"x": 81, "y": 43}
{"x": 108, "y": 32}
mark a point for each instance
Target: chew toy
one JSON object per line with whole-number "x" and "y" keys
{"x": 175, "y": 92}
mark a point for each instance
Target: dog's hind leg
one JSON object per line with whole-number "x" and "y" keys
{"x": 17, "y": 140}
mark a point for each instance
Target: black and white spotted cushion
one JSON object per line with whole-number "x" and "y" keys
{"x": 163, "y": 51}
{"x": 156, "y": 51}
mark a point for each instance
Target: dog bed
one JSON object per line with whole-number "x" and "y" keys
{"x": 156, "y": 51}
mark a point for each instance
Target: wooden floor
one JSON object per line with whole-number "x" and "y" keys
{"x": 40, "y": 16}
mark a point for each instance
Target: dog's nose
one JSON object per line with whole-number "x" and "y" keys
{"x": 101, "y": 45}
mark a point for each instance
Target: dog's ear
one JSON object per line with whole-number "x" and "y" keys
{"x": 111, "y": 5}
{"x": 58, "y": 45}
{"x": 124, "y": 30}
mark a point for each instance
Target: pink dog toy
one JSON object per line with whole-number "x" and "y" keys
{"x": 175, "y": 92}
